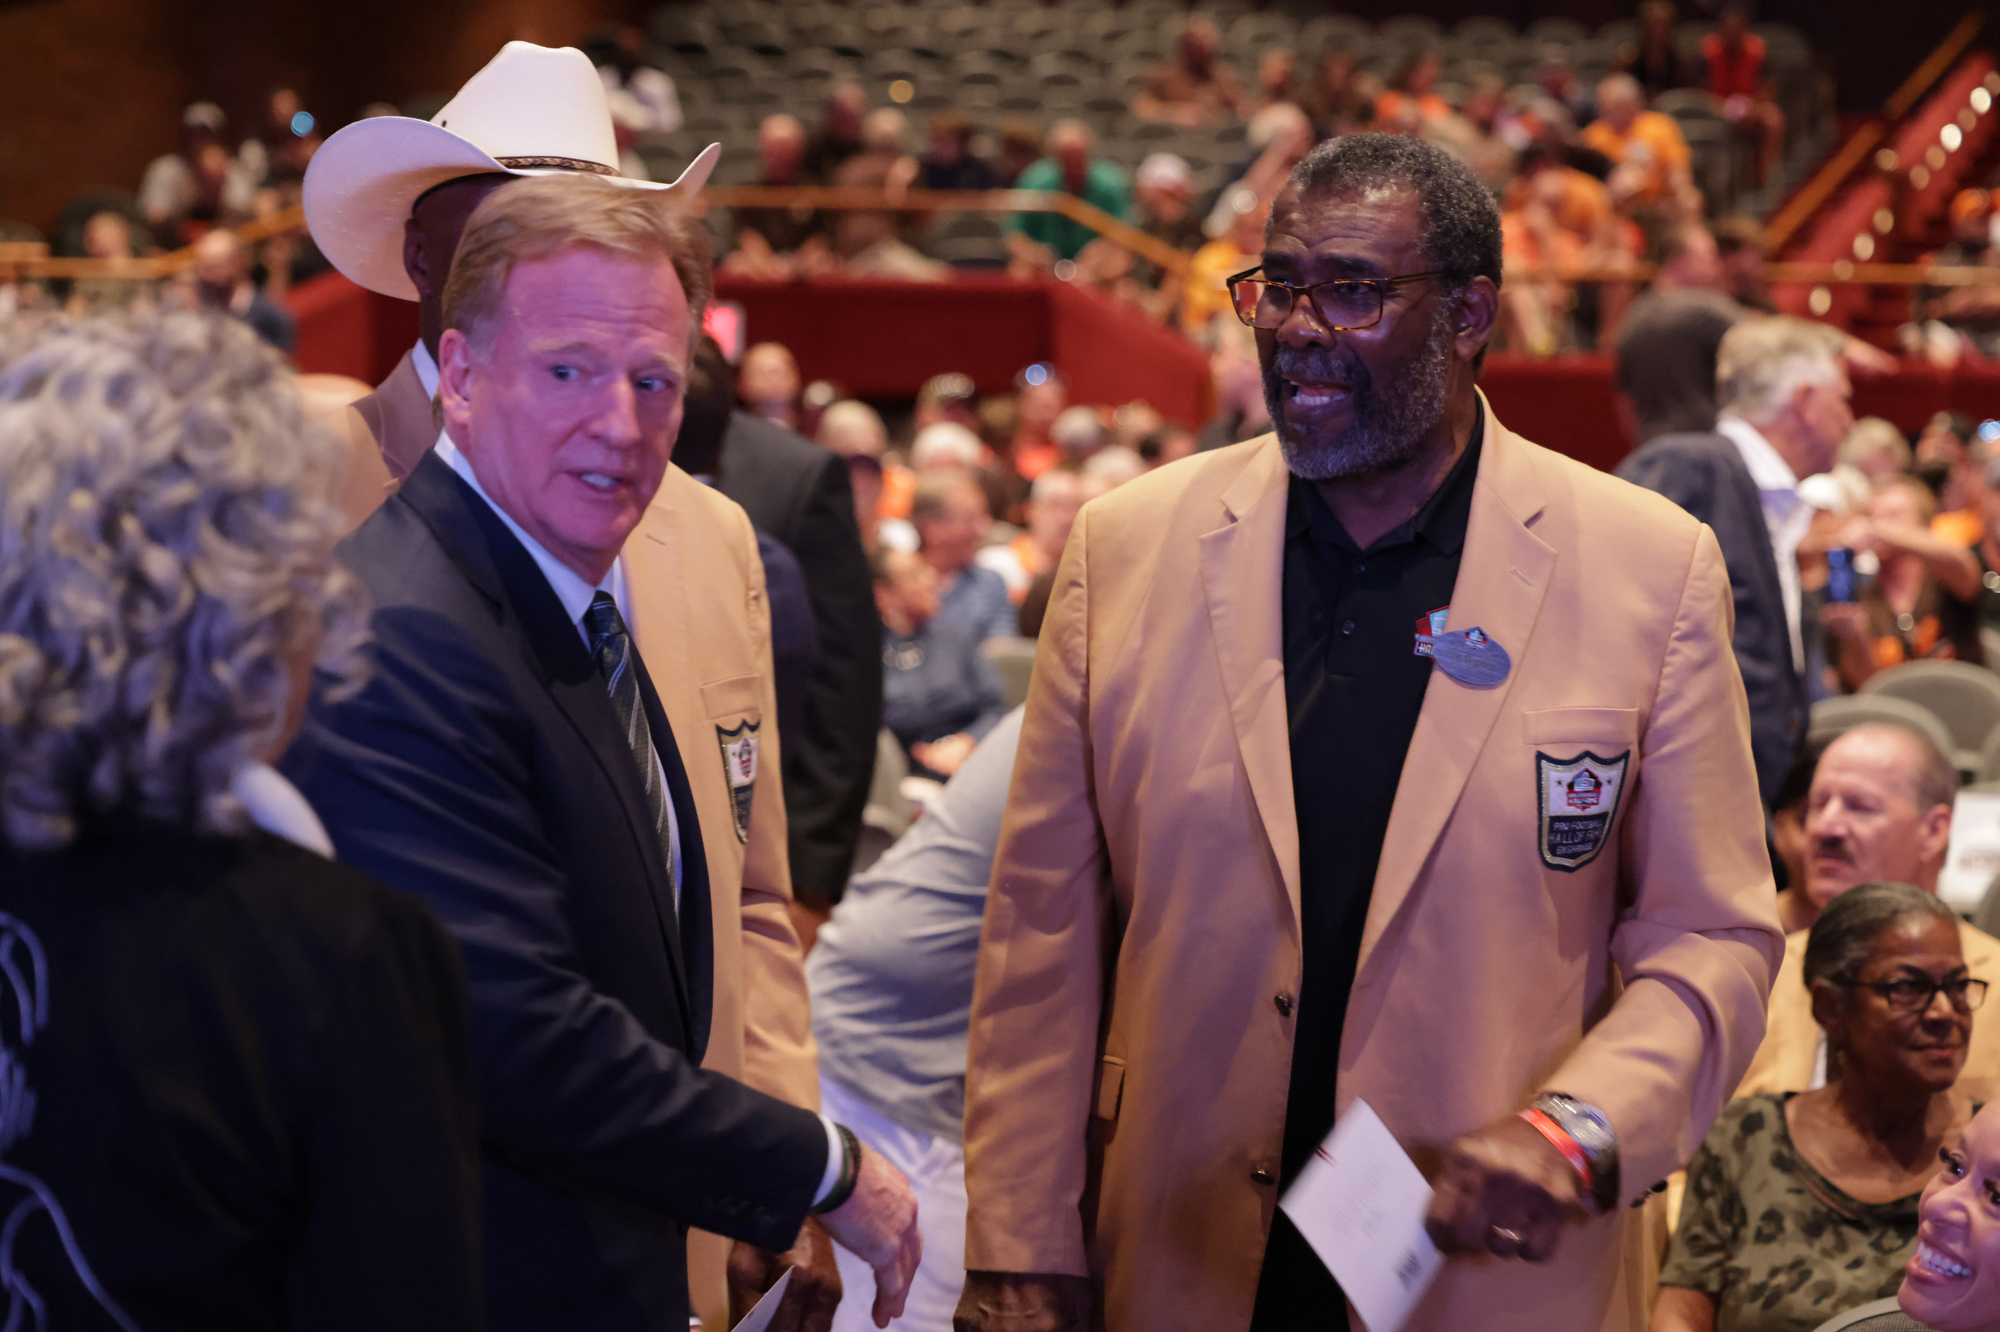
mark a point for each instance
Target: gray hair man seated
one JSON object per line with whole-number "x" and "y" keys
{"x": 1880, "y": 810}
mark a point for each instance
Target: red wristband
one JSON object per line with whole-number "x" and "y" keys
{"x": 1562, "y": 1142}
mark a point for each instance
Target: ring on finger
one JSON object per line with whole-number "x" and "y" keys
{"x": 1512, "y": 1237}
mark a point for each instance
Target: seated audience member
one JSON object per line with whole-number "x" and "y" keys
{"x": 1206, "y": 301}
{"x": 850, "y": 427}
{"x": 641, "y": 96}
{"x": 768, "y": 384}
{"x": 1790, "y": 806}
{"x": 1197, "y": 87}
{"x": 1880, "y": 808}
{"x": 239, "y": 1082}
{"x": 839, "y": 135}
{"x": 945, "y": 446}
{"x": 871, "y": 242}
{"x": 1021, "y": 141}
{"x": 108, "y": 235}
{"x": 1170, "y": 443}
{"x": 1334, "y": 101}
{"x": 201, "y": 184}
{"x": 1051, "y": 511}
{"x": 1412, "y": 101}
{"x": 939, "y": 695}
{"x": 1802, "y": 1205}
{"x": 949, "y": 164}
{"x": 1957, "y": 320}
{"x": 1734, "y": 57}
{"x": 1078, "y": 434}
{"x": 891, "y": 980}
{"x": 1040, "y": 239}
{"x": 1876, "y": 450}
{"x": 947, "y": 397}
{"x": 1648, "y": 146}
{"x": 1277, "y": 82}
{"x": 1952, "y": 1282}
{"x": 222, "y": 282}
{"x": 1041, "y": 395}
{"x": 1654, "y": 59}
{"x": 950, "y": 515}
{"x": 1741, "y": 246}
{"x": 1923, "y": 602}
{"x": 773, "y": 242}
{"x": 1163, "y": 201}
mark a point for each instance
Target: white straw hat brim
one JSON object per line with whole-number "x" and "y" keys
{"x": 364, "y": 180}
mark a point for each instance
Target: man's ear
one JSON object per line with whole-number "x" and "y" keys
{"x": 1472, "y": 323}
{"x": 416, "y": 259}
{"x": 1934, "y": 828}
{"x": 457, "y": 377}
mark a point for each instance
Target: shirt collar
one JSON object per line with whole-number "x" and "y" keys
{"x": 1767, "y": 467}
{"x": 1441, "y": 520}
{"x": 568, "y": 585}
{"x": 426, "y": 367}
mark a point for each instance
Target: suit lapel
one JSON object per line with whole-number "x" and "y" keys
{"x": 399, "y": 415}
{"x": 1502, "y": 578}
{"x": 502, "y": 570}
{"x": 1242, "y": 572}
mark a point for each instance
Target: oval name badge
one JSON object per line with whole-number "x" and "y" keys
{"x": 1471, "y": 657}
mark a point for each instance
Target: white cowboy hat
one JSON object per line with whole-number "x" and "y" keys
{"x": 533, "y": 111}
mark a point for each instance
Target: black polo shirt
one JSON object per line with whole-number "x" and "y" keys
{"x": 1354, "y": 683}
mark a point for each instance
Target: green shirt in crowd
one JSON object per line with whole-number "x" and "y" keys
{"x": 1104, "y": 185}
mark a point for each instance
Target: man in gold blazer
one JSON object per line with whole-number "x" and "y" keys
{"x": 386, "y": 200}
{"x": 1391, "y": 758}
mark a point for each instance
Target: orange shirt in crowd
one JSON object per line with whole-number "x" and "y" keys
{"x": 1031, "y": 460}
{"x": 1961, "y": 527}
{"x": 1737, "y": 73}
{"x": 1523, "y": 246}
{"x": 1207, "y": 290}
{"x": 1391, "y": 106}
{"x": 899, "y": 484}
{"x": 1652, "y": 140}
{"x": 1584, "y": 205}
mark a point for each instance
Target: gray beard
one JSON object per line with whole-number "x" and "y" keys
{"x": 1391, "y": 421}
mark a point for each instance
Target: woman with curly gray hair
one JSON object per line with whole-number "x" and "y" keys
{"x": 235, "y": 1090}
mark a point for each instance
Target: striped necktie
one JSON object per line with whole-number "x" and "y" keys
{"x": 612, "y": 647}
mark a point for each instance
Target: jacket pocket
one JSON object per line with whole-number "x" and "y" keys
{"x": 1110, "y": 1086}
{"x": 1581, "y": 726}
{"x": 738, "y": 696}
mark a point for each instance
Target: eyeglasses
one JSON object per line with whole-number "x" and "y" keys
{"x": 1343, "y": 305}
{"x": 1909, "y": 994}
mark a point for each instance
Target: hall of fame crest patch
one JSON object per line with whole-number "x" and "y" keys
{"x": 739, "y": 769}
{"x": 1579, "y": 803}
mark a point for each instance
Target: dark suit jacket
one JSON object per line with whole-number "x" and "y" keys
{"x": 800, "y": 494}
{"x": 484, "y": 769}
{"x": 1705, "y": 475}
{"x": 794, "y": 633}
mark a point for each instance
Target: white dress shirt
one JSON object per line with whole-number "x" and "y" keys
{"x": 426, "y": 367}
{"x": 576, "y": 596}
{"x": 1786, "y": 516}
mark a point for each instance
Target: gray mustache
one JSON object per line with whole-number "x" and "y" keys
{"x": 1320, "y": 363}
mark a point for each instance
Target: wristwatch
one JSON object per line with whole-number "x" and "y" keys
{"x": 1584, "y": 1136}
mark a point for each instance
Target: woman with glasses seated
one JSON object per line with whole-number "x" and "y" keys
{"x": 1800, "y": 1206}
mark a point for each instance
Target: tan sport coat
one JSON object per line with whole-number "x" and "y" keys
{"x": 1790, "y": 1052}
{"x": 1129, "y": 1066}
{"x": 704, "y": 631}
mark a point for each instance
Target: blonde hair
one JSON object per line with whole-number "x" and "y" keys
{"x": 166, "y": 538}
{"x": 538, "y": 217}
{"x": 1872, "y": 435}
{"x": 1761, "y": 361}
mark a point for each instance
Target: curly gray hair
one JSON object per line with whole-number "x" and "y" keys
{"x": 166, "y": 536}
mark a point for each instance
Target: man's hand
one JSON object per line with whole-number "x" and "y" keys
{"x": 1023, "y": 1302}
{"x": 815, "y": 1290}
{"x": 1505, "y": 1189}
{"x": 878, "y": 1224}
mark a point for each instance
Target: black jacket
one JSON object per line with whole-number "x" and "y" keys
{"x": 800, "y": 494}
{"x": 237, "y": 1072}
{"x": 1706, "y": 475}
{"x": 483, "y": 767}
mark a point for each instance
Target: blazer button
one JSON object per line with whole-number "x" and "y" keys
{"x": 1284, "y": 1003}
{"x": 1261, "y": 1176}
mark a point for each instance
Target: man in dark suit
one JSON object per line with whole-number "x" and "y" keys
{"x": 510, "y": 762}
{"x": 800, "y": 494}
{"x": 1782, "y": 394}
